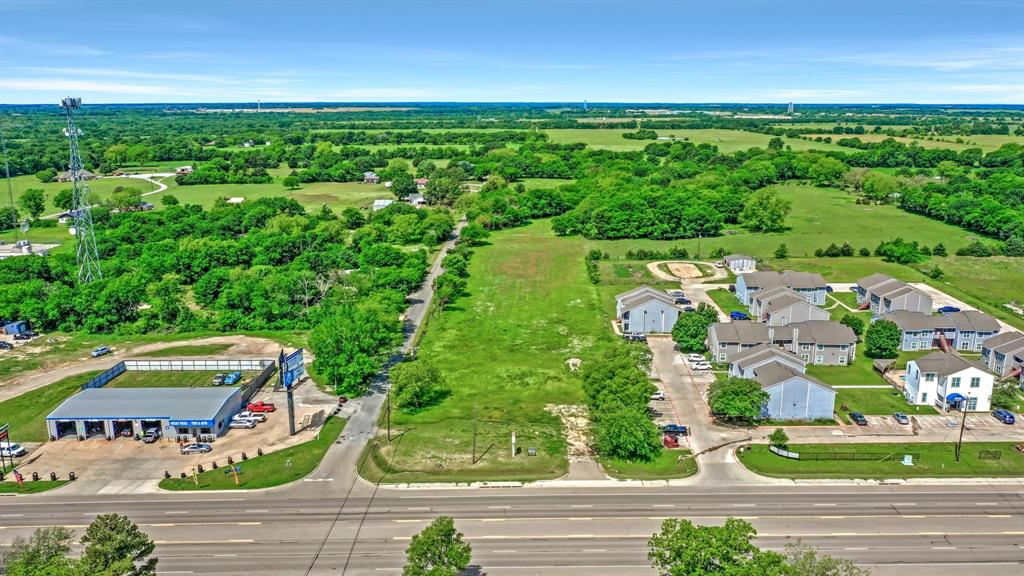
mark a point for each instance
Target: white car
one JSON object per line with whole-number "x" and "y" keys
{"x": 659, "y": 395}
{"x": 692, "y": 358}
{"x": 242, "y": 424}
{"x": 9, "y": 450}
{"x": 250, "y": 415}
{"x": 701, "y": 366}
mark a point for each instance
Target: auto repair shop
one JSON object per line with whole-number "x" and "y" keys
{"x": 125, "y": 412}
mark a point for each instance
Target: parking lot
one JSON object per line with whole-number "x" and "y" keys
{"x": 125, "y": 465}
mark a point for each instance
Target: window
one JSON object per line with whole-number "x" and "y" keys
{"x": 625, "y": 326}
{"x": 625, "y": 315}
{"x": 819, "y": 359}
{"x": 805, "y": 346}
{"x": 722, "y": 345}
{"x": 913, "y": 345}
{"x": 842, "y": 359}
{"x": 924, "y": 397}
{"x": 972, "y": 404}
{"x": 929, "y": 377}
{"x": 721, "y": 357}
{"x": 182, "y": 430}
{"x": 821, "y": 347}
{"x": 204, "y": 430}
{"x": 955, "y": 382}
{"x": 976, "y": 382}
{"x": 843, "y": 347}
{"x": 805, "y": 357}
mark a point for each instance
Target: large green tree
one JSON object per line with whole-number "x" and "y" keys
{"x": 439, "y": 550}
{"x": 765, "y": 211}
{"x": 681, "y": 548}
{"x": 114, "y": 546}
{"x": 126, "y": 198}
{"x": 417, "y": 384}
{"x": 691, "y": 329}
{"x": 880, "y": 187}
{"x": 627, "y": 434}
{"x": 737, "y": 399}
{"x": 853, "y": 322}
{"x": 827, "y": 171}
{"x": 882, "y": 339}
{"x": 45, "y": 553}
{"x": 33, "y": 201}
{"x": 65, "y": 199}
{"x": 351, "y": 342}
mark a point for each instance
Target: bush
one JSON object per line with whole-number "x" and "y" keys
{"x": 778, "y": 438}
{"x": 854, "y": 323}
{"x": 417, "y": 384}
{"x": 976, "y": 248}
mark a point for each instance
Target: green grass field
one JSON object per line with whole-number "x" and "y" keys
{"x": 871, "y": 401}
{"x": 503, "y": 349}
{"x": 27, "y": 413}
{"x": 30, "y": 487}
{"x": 727, "y": 301}
{"x": 161, "y": 379}
{"x": 101, "y": 189}
{"x": 669, "y": 464}
{"x": 932, "y": 461}
{"x": 188, "y": 350}
{"x": 987, "y": 142}
{"x": 273, "y": 469}
{"x": 726, "y": 140}
{"x": 337, "y": 195}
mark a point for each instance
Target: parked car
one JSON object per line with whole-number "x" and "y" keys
{"x": 218, "y": 379}
{"x": 853, "y": 288}
{"x": 6, "y": 346}
{"x": 241, "y": 424}
{"x": 8, "y": 450}
{"x": 900, "y": 418}
{"x": 25, "y": 336}
{"x": 342, "y": 400}
{"x": 659, "y": 395}
{"x": 261, "y": 406}
{"x": 1004, "y": 416}
{"x": 151, "y": 435}
{"x": 676, "y": 293}
{"x": 691, "y": 358}
{"x": 948, "y": 309}
{"x": 828, "y": 288}
{"x": 682, "y": 300}
{"x": 196, "y": 449}
{"x": 100, "y": 351}
{"x": 675, "y": 429}
{"x": 737, "y": 315}
{"x": 240, "y": 418}
{"x": 635, "y": 336}
{"x": 232, "y": 378}
{"x": 701, "y": 366}
{"x": 858, "y": 419}
{"x": 732, "y": 287}
{"x": 257, "y": 416}
{"x": 719, "y": 265}
{"x": 689, "y": 309}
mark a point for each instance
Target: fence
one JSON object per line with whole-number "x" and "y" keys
{"x": 265, "y": 366}
{"x": 858, "y": 456}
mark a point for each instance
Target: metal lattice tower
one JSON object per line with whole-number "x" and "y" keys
{"x": 7, "y": 169}
{"x": 88, "y": 255}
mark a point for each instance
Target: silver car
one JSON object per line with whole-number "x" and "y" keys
{"x": 196, "y": 449}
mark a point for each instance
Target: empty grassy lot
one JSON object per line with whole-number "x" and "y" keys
{"x": 337, "y": 195}
{"x": 934, "y": 460}
{"x": 101, "y": 189}
{"x": 188, "y": 350}
{"x": 503, "y": 349}
{"x": 27, "y": 413}
{"x": 161, "y": 379}
{"x": 273, "y": 469}
{"x": 727, "y": 301}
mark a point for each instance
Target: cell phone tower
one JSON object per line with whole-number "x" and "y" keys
{"x": 7, "y": 168}
{"x": 88, "y": 255}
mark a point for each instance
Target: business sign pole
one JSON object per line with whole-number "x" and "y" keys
{"x": 5, "y": 439}
{"x": 291, "y": 370}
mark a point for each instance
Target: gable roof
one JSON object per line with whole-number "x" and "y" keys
{"x": 742, "y": 331}
{"x": 636, "y": 291}
{"x": 789, "y": 278}
{"x": 641, "y": 298}
{"x": 876, "y": 279}
{"x": 797, "y": 280}
{"x": 944, "y": 364}
{"x": 774, "y": 373}
{"x": 783, "y": 302}
{"x": 762, "y": 352}
{"x": 895, "y": 290}
{"x": 973, "y": 320}
{"x": 768, "y": 294}
{"x": 1005, "y": 342}
{"x": 736, "y": 257}
{"x": 823, "y": 332}
{"x": 911, "y": 320}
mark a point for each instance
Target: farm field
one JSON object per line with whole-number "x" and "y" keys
{"x": 337, "y": 195}
{"x": 725, "y": 140}
{"x": 987, "y": 142}
{"x": 503, "y": 349}
{"x": 932, "y": 460}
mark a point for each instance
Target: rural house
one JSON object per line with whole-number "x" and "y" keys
{"x": 65, "y": 176}
{"x": 646, "y": 310}
{"x": 382, "y": 204}
{"x": 1004, "y": 354}
{"x": 371, "y": 178}
{"x": 421, "y": 183}
{"x": 728, "y": 339}
{"x": 740, "y": 263}
{"x": 965, "y": 330}
{"x": 945, "y": 379}
{"x": 883, "y": 294}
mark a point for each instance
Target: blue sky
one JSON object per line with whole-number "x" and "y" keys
{"x": 488, "y": 50}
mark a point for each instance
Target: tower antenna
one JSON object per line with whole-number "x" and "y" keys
{"x": 7, "y": 168}
{"x": 88, "y": 255}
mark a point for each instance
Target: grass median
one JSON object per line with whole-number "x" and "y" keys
{"x": 882, "y": 461}
{"x": 29, "y": 486}
{"x": 668, "y": 465}
{"x": 273, "y": 469}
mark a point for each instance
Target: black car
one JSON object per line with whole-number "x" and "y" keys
{"x": 6, "y": 346}
{"x": 682, "y": 300}
{"x": 24, "y": 336}
{"x": 732, "y": 287}
{"x": 858, "y": 419}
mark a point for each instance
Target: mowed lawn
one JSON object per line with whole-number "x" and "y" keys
{"x": 187, "y": 350}
{"x": 101, "y": 188}
{"x": 932, "y": 460}
{"x": 502, "y": 350}
{"x": 27, "y": 413}
{"x": 168, "y": 379}
{"x": 337, "y": 195}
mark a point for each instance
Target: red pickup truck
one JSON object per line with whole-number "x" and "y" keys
{"x": 261, "y": 406}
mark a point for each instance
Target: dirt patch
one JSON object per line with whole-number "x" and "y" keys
{"x": 684, "y": 270}
{"x": 575, "y": 426}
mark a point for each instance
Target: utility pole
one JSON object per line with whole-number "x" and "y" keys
{"x": 474, "y": 434}
{"x": 389, "y": 415}
{"x": 963, "y": 424}
{"x": 699, "y": 235}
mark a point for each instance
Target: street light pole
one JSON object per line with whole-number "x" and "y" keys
{"x": 963, "y": 424}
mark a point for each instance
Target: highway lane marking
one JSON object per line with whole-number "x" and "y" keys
{"x": 194, "y": 542}
{"x": 581, "y": 506}
{"x": 11, "y": 515}
{"x": 986, "y": 504}
{"x": 744, "y": 505}
{"x": 260, "y": 511}
{"x": 646, "y": 535}
{"x": 595, "y": 549}
{"x": 419, "y": 508}
{"x": 492, "y": 519}
{"x": 825, "y": 504}
{"x": 498, "y": 507}
{"x": 664, "y": 506}
{"x": 904, "y": 504}
{"x": 175, "y": 511}
{"x": 743, "y": 517}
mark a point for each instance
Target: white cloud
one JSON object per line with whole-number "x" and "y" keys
{"x": 51, "y": 49}
{"x": 63, "y": 86}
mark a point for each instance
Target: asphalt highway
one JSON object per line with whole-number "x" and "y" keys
{"x": 962, "y": 529}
